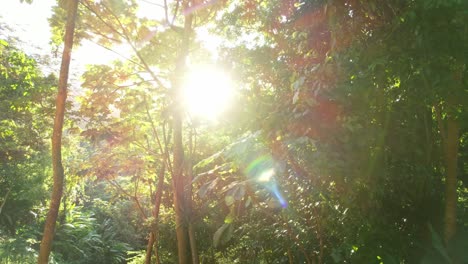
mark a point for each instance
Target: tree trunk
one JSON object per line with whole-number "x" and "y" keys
{"x": 193, "y": 244}
{"x": 149, "y": 248}
{"x": 290, "y": 256}
{"x": 178, "y": 158}
{"x": 451, "y": 159}
{"x": 154, "y": 234}
{"x": 178, "y": 192}
{"x": 58, "y": 172}
{"x": 191, "y": 228}
{"x": 191, "y": 231}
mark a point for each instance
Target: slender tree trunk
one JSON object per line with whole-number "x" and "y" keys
{"x": 58, "y": 172}
{"x": 191, "y": 228}
{"x": 178, "y": 159}
{"x": 193, "y": 244}
{"x": 290, "y": 256}
{"x": 149, "y": 248}
{"x": 154, "y": 234}
{"x": 451, "y": 159}
{"x": 178, "y": 192}
{"x": 178, "y": 186}
{"x": 449, "y": 132}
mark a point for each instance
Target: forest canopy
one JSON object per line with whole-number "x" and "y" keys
{"x": 257, "y": 131}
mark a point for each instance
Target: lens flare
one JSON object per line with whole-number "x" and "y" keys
{"x": 266, "y": 175}
{"x": 276, "y": 192}
{"x": 263, "y": 171}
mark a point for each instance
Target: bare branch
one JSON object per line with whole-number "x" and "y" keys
{"x": 175, "y": 12}
{"x": 126, "y": 36}
{"x": 133, "y": 197}
{"x": 166, "y": 15}
{"x": 164, "y": 151}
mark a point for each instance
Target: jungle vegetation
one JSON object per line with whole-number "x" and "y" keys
{"x": 223, "y": 131}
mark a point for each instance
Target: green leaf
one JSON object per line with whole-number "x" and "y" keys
{"x": 3, "y": 43}
{"x": 229, "y": 200}
{"x": 222, "y": 235}
{"x": 203, "y": 190}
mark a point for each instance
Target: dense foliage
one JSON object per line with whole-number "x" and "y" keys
{"x": 346, "y": 139}
{"x": 25, "y": 117}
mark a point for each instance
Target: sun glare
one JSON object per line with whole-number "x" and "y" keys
{"x": 266, "y": 175}
{"x": 207, "y": 92}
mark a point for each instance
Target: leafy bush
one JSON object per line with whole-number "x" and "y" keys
{"x": 82, "y": 239}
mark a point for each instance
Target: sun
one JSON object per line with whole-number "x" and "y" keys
{"x": 207, "y": 91}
